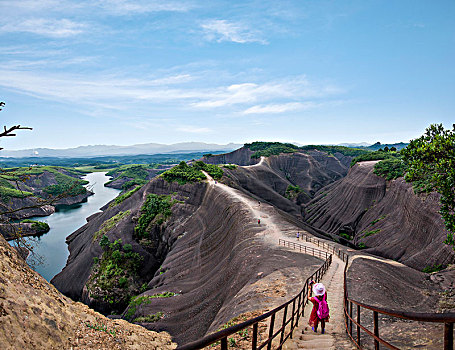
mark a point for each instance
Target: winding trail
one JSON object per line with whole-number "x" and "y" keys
{"x": 274, "y": 229}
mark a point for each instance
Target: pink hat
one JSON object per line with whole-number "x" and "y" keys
{"x": 318, "y": 289}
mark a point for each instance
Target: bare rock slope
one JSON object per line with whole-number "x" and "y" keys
{"x": 387, "y": 216}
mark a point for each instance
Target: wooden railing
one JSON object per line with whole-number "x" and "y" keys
{"x": 285, "y": 316}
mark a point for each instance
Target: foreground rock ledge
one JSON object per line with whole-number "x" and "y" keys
{"x": 34, "y": 315}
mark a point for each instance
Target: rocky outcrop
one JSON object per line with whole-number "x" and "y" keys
{"x": 241, "y": 156}
{"x": 34, "y": 315}
{"x": 207, "y": 244}
{"x": 386, "y": 216}
{"x": 11, "y": 231}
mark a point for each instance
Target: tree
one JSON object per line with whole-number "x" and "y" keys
{"x": 431, "y": 166}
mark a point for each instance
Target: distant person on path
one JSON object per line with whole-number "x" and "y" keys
{"x": 259, "y": 221}
{"x": 320, "y": 312}
{"x": 298, "y": 235}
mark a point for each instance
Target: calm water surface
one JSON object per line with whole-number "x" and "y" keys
{"x": 52, "y": 246}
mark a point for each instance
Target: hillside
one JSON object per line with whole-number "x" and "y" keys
{"x": 40, "y": 189}
{"x": 386, "y": 217}
{"x": 206, "y": 241}
{"x": 34, "y": 315}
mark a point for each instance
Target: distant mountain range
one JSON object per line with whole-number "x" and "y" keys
{"x": 112, "y": 150}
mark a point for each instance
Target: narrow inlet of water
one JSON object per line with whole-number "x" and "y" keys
{"x": 51, "y": 247}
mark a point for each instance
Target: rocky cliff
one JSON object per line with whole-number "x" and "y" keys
{"x": 385, "y": 216}
{"x": 200, "y": 267}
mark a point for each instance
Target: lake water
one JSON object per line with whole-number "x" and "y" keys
{"x": 52, "y": 247}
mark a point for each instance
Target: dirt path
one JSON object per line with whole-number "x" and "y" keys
{"x": 274, "y": 229}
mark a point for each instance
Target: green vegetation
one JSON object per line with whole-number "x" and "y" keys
{"x": 137, "y": 173}
{"x": 361, "y": 245}
{"x": 65, "y": 184}
{"x": 156, "y": 210}
{"x": 213, "y": 170}
{"x": 346, "y": 236}
{"x": 101, "y": 327}
{"x": 6, "y": 193}
{"x": 144, "y": 300}
{"x": 230, "y": 166}
{"x": 369, "y": 233}
{"x": 433, "y": 268}
{"x": 377, "y": 220}
{"x": 292, "y": 192}
{"x": 390, "y": 169}
{"x": 375, "y": 155}
{"x": 149, "y": 318}
{"x": 266, "y": 149}
{"x": 114, "y": 275}
{"x": 39, "y": 226}
{"x": 124, "y": 196}
{"x": 431, "y": 167}
{"x": 110, "y": 224}
{"x": 183, "y": 173}
{"x": 347, "y": 151}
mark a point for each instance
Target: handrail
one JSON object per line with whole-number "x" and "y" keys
{"x": 296, "y": 313}
{"x": 447, "y": 318}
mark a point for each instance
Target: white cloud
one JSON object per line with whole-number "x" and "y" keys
{"x": 55, "y": 28}
{"x": 279, "y": 108}
{"x": 294, "y": 88}
{"x": 193, "y": 129}
{"x": 222, "y": 30}
{"x": 125, "y": 7}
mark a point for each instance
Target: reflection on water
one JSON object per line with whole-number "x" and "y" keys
{"x": 52, "y": 246}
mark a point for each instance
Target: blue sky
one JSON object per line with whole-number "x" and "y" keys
{"x": 313, "y": 72}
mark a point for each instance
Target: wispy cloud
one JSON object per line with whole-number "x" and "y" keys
{"x": 294, "y": 88}
{"x": 55, "y": 28}
{"x": 279, "y": 108}
{"x": 194, "y": 129}
{"x": 222, "y": 30}
{"x": 126, "y": 7}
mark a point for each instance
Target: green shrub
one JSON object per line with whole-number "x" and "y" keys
{"x": 390, "y": 169}
{"x": 347, "y": 151}
{"x": 345, "y": 235}
{"x": 149, "y": 318}
{"x": 124, "y": 196}
{"x": 369, "y": 233}
{"x": 375, "y": 155}
{"x": 434, "y": 268}
{"x": 230, "y": 166}
{"x": 41, "y": 227}
{"x": 293, "y": 191}
{"x": 377, "y": 220}
{"x": 266, "y": 149}
{"x": 110, "y": 224}
{"x": 183, "y": 173}
{"x": 361, "y": 245}
{"x": 155, "y": 206}
{"x": 213, "y": 170}
{"x": 6, "y": 193}
{"x": 144, "y": 300}
{"x": 114, "y": 275}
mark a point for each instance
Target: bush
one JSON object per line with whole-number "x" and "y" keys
{"x": 230, "y": 166}
{"x": 434, "y": 268}
{"x": 124, "y": 196}
{"x": 109, "y": 224}
{"x": 375, "y": 155}
{"x": 390, "y": 169}
{"x": 183, "y": 173}
{"x": 347, "y": 151}
{"x": 39, "y": 226}
{"x": 154, "y": 205}
{"x": 266, "y": 149}
{"x": 213, "y": 170}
